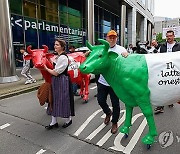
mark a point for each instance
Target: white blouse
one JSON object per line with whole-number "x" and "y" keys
{"x": 61, "y": 64}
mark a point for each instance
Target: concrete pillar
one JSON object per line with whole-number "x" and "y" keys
{"x": 90, "y": 20}
{"x": 132, "y": 26}
{"x": 149, "y": 32}
{"x": 143, "y": 29}
{"x": 7, "y": 63}
{"x": 123, "y": 24}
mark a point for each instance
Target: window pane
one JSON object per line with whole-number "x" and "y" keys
{"x": 31, "y": 32}
{"x": 29, "y": 9}
{"x": 18, "y": 37}
{"x": 48, "y": 14}
{"x": 106, "y": 29}
{"x": 16, "y": 6}
{"x": 47, "y": 37}
{"x": 75, "y": 4}
{"x": 63, "y": 2}
{"x": 63, "y": 18}
{"x": 63, "y": 14}
{"x": 52, "y": 4}
{"x": 17, "y": 29}
{"x": 74, "y": 21}
{"x": 41, "y": 12}
{"x": 96, "y": 14}
{"x": 74, "y": 12}
{"x": 52, "y": 15}
{"x": 41, "y": 2}
{"x": 107, "y": 18}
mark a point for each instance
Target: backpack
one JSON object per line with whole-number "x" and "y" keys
{"x": 31, "y": 64}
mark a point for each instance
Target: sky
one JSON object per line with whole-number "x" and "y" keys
{"x": 167, "y": 8}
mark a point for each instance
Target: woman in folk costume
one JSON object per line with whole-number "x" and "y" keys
{"x": 63, "y": 100}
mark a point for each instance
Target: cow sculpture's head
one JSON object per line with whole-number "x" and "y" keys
{"x": 98, "y": 60}
{"x": 38, "y": 56}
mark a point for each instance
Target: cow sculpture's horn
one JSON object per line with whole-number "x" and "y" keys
{"x": 45, "y": 48}
{"x": 104, "y": 42}
{"x": 89, "y": 45}
{"x": 29, "y": 49}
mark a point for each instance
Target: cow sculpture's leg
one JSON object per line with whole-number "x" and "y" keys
{"x": 86, "y": 87}
{"x": 148, "y": 113}
{"x": 81, "y": 93}
{"x": 125, "y": 129}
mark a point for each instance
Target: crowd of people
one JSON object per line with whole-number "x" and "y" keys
{"x": 63, "y": 91}
{"x": 169, "y": 46}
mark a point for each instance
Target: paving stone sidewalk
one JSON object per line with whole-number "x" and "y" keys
{"x": 19, "y": 87}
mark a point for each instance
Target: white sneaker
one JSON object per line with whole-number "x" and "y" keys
{"x": 28, "y": 82}
{"x": 33, "y": 81}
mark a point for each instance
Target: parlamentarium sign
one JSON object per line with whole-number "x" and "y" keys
{"x": 46, "y": 27}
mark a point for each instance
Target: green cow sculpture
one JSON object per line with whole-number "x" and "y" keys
{"x": 129, "y": 79}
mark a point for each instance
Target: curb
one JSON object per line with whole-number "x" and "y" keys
{"x": 21, "y": 90}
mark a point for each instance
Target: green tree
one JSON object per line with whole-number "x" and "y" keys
{"x": 159, "y": 38}
{"x": 177, "y": 39}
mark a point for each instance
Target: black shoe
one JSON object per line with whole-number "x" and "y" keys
{"x": 67, "y": 124}
{"x": 52, "y": 126}
{"x": 159, "y": 109}
{"x": 170, "y": 106}
{"x": 76, "y": 94}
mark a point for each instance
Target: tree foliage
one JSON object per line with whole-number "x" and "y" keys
{"x": 159, "y": 38}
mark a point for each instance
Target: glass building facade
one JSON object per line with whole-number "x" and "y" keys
{"x": 106, "y": 18}
{"x": 38, "y": 22}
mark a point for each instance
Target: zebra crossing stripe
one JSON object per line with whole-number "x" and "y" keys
{"x": 135, "y": 137}
{"x": 83, "y": 126}
{"x": 127, "y": 149}
{"x": 4, "y": 126}
{"x": 108, "y": 134}
{"x": 41, "y": 151}
{"x": 93, "y": 87}
{"x": 95, "y": 132}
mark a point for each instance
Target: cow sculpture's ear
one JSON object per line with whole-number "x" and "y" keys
{"x": 29, "y": 49}
{"x": 45, "y": 48}
{"x": 112, "y": 55}
{"x": 105, "y": 43}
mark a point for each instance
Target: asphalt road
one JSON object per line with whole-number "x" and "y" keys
{"x": 23, "y": 119}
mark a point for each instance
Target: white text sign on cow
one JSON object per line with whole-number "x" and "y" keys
{"x": 73, "y": 66}
{"x": 164, "y": 77}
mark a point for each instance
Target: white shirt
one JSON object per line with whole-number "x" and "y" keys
{"x": 117, "y": 49}
{"x": 61, "y": 64}
{"x": 170, "y": 46}
{"x": 26, "y": 62}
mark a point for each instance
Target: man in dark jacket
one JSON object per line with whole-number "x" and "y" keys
{"x": 169, "y": 46}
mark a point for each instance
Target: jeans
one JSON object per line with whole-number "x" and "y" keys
{"x": 26, "y": 73}
{"x": 74, "y": 87}
{"x": 103, "y": 92}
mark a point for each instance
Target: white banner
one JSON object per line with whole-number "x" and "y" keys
{"x": 175, "y": 29}
{"x": 164, "y": 78}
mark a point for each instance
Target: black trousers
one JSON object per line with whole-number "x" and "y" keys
{"x": 103, "y": 92}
